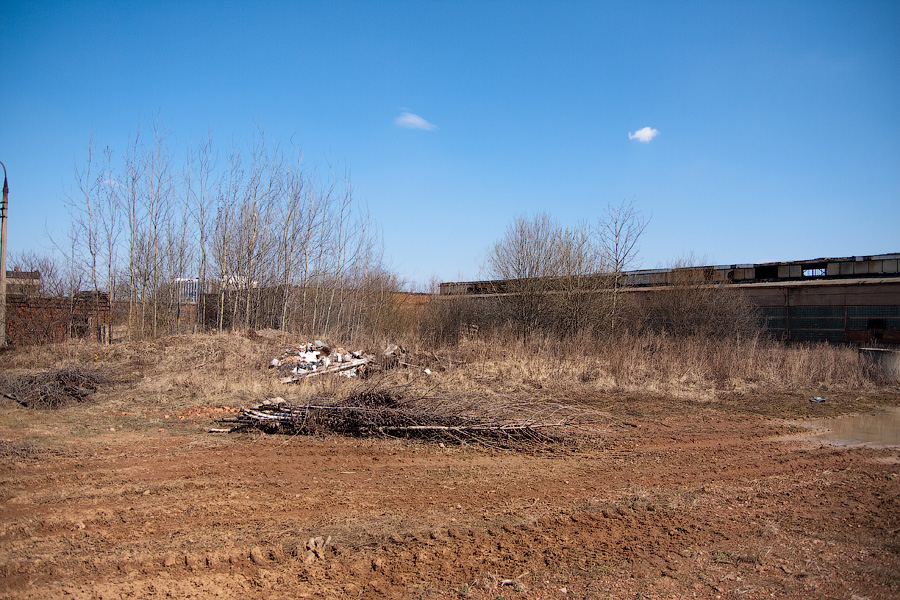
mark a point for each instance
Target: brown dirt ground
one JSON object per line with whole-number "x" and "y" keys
{"x": 674, "y": 499}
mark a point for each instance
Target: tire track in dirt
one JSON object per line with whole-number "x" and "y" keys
{"x": 666, "y": 511}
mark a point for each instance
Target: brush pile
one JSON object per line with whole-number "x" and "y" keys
{"x": 54, "y": 388}
{"x": 378, "y": 413}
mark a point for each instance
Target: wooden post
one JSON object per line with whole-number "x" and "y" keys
{"x": 3, "y": 218}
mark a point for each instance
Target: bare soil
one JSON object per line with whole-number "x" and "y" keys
{"x": 673, "y": 499}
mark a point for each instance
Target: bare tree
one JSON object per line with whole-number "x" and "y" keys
{"x": 179, "y": 255}
{"x": 223, "y": 258}
{"x": 292, "y": 236}
{"x": 578, "y": 283}
{"x": 283, "y": 247}
{"x": 619, "y": 232}
{"x": 54, "y": 279}
{"x": 109, "y": 209}
{"x": 523, "y": 262}
{"x": 156, "y": 193}
{"x": 82, "y": 211}
{"x": 695, "y": 304}
{"x": 130, "y": 183}
{"x": 200, "y": 193}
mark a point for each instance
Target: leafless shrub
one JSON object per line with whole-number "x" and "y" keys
{"x": 523, "y": 263}
{"x": 693, "y": 304}
{"x": 448, "y": 319}
{"x": 564, "y": 280}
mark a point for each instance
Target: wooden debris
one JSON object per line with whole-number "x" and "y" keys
{"x": 53, "y": 388}
{"x": 315, "y": 548}
{"x": 382, "y": 414}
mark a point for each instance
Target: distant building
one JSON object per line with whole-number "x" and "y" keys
{"x": 850, "y": 299}
{"x": 189, "y": 290}
{"x": 23, "y": 283}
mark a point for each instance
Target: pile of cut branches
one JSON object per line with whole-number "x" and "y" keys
{"x": 54, "y": 388}
{"x": 490, "y": 422}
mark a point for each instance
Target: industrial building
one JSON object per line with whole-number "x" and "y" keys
{"x": 852, "y": 299}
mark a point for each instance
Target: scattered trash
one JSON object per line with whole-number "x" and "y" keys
{"x": 316, "y": 358}
{"x": 391, "y": 357}
{"x": 817, "y": 399}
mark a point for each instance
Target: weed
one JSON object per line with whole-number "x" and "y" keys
{"x": 734, "y": 558}
{"x": 721, "y": 556}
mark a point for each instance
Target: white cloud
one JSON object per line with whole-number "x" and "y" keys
{"x": 413, "y": 121}
{"x": 643, "y": 135}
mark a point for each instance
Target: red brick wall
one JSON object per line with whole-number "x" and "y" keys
{"x": 35, "y": 320}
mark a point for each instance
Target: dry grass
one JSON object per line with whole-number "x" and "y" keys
{"x": 657, "y": 364}
{"x": 180, "y": 370}
{"x": 232, "y": 369}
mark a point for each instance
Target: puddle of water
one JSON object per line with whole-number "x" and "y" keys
{"x": 881, "y": 428}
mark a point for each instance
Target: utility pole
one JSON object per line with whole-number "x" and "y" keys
{"x": 3, "y": 216}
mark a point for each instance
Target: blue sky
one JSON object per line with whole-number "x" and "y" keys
{"x": 778, "y": 122}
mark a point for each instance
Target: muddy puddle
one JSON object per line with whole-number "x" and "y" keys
{"x": 882, "y": 428}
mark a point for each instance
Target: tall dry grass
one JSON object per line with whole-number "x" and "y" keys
{"x": 655, "y": 363}
{"x": 232, "y": 369}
